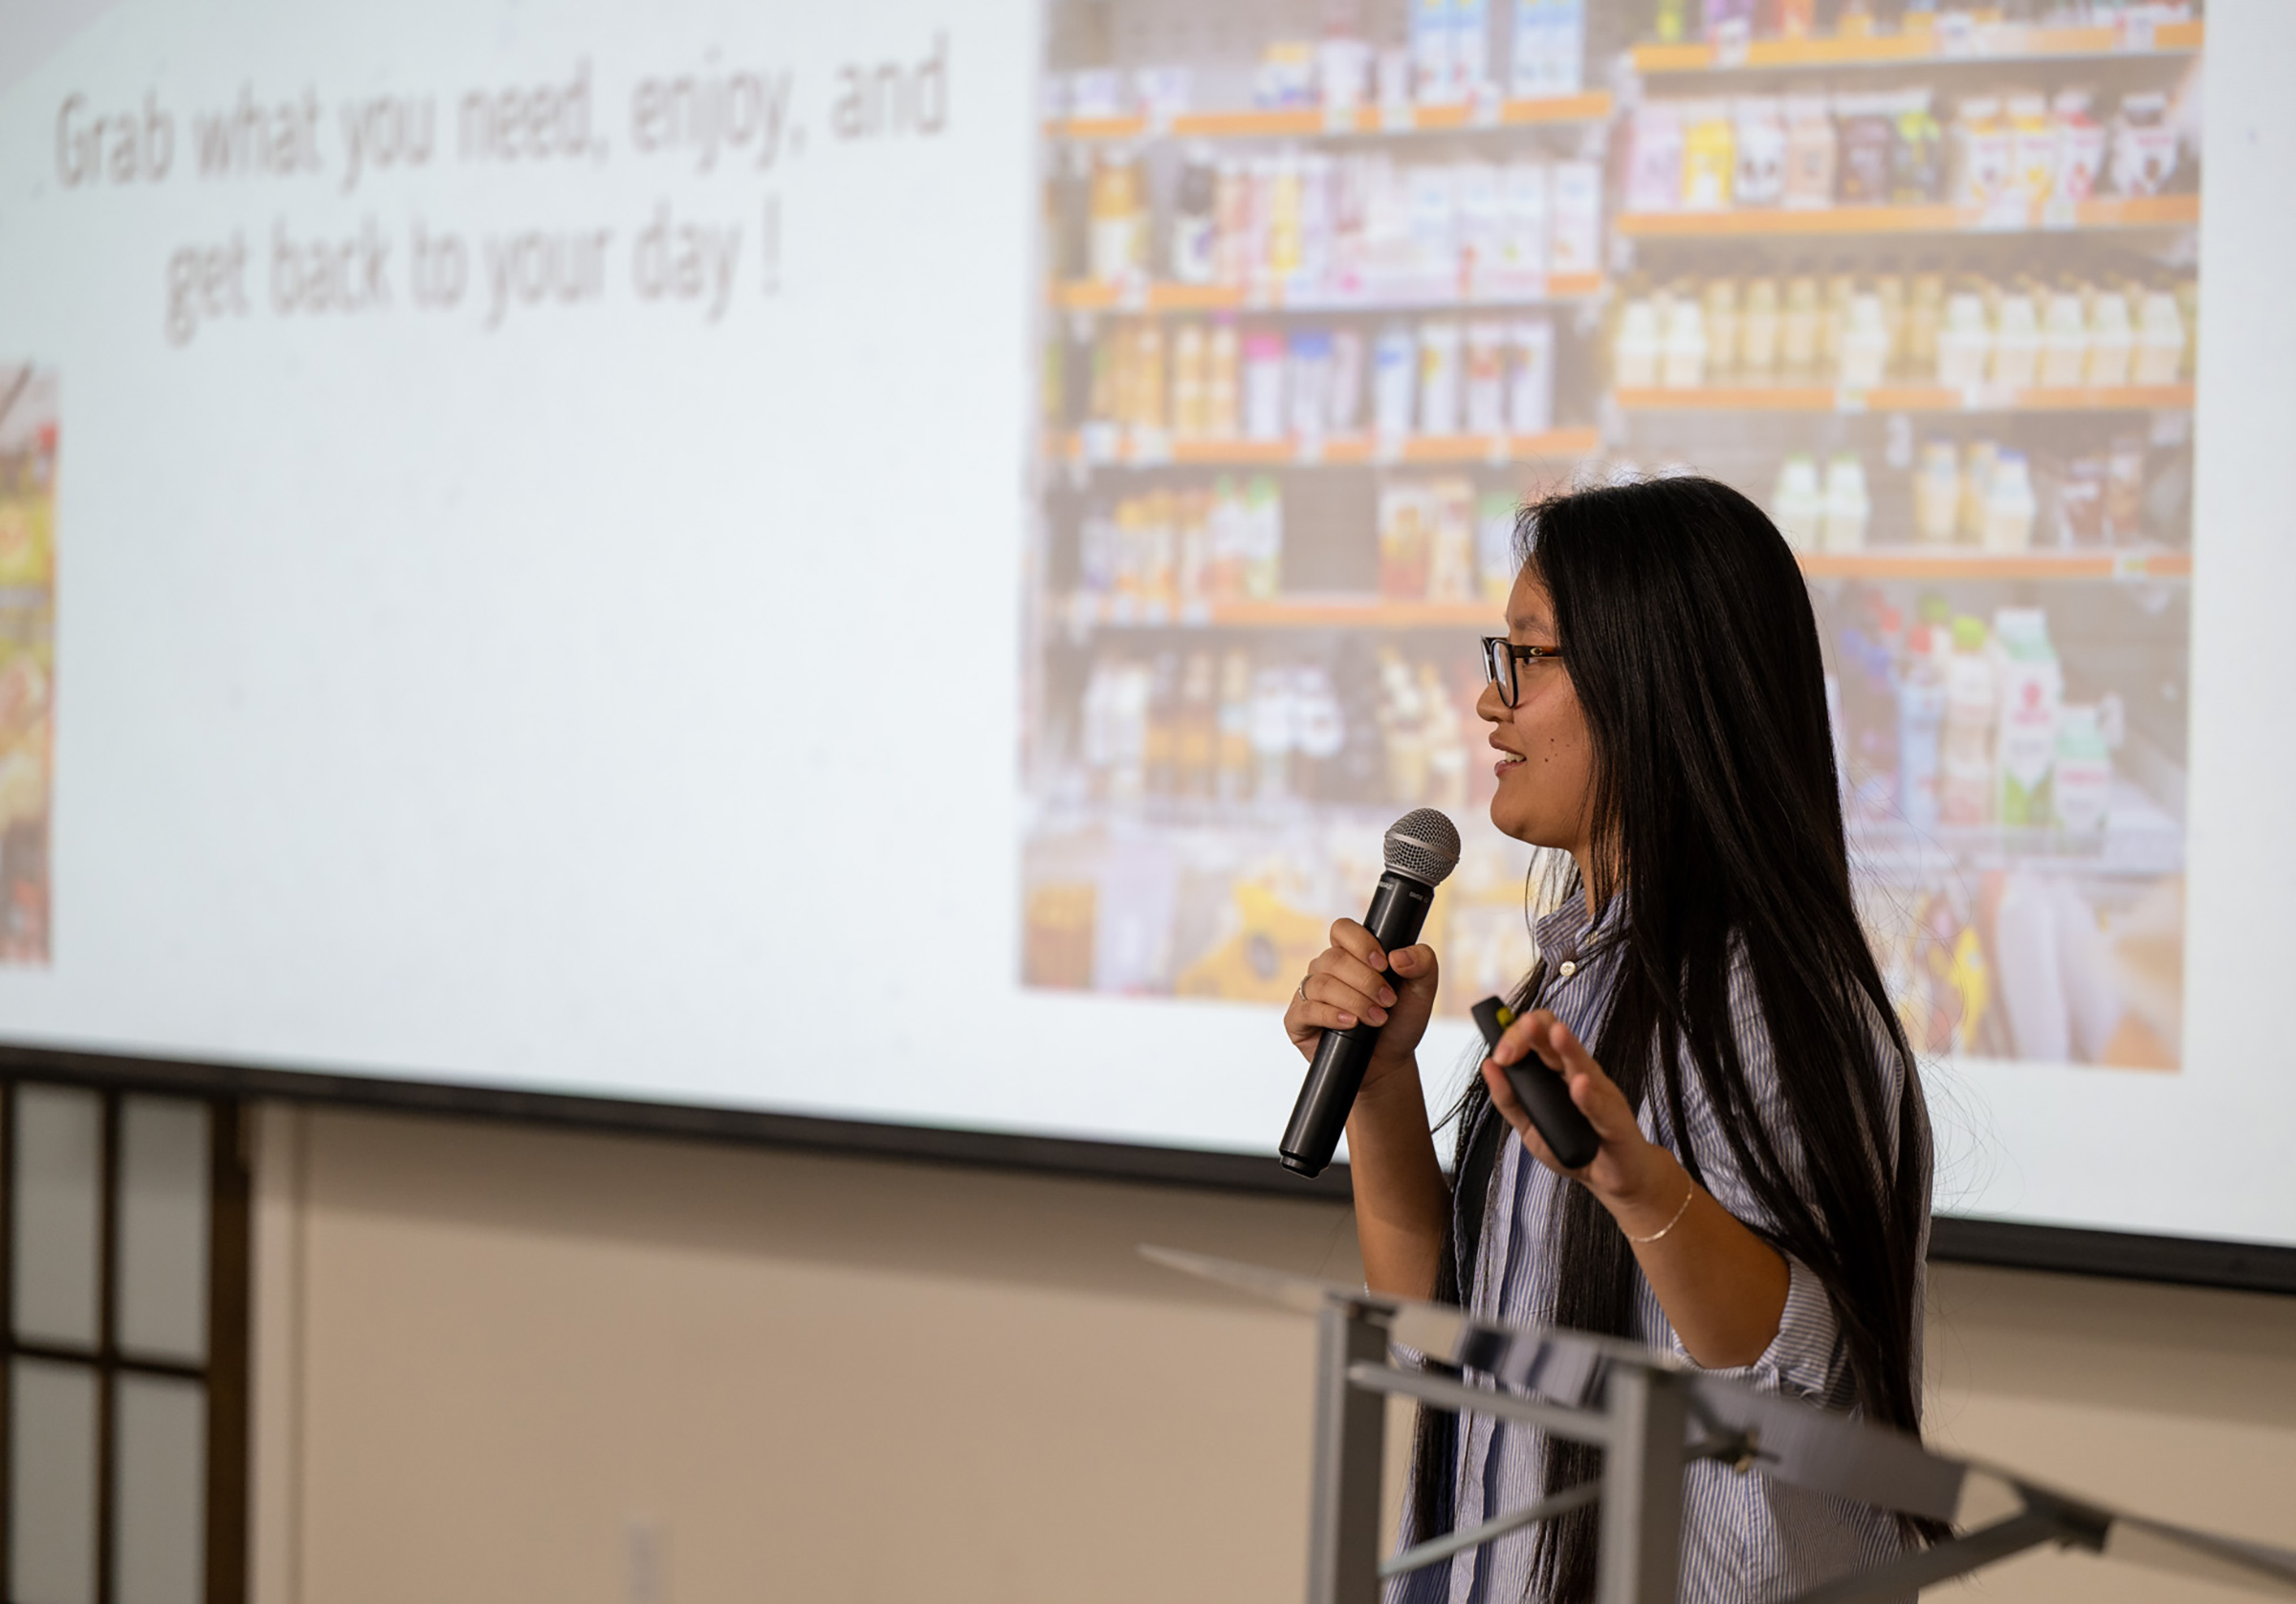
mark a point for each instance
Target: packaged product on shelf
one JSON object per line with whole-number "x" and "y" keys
{"x": 1864, "y": 343}
{"x": 1446, "y": 752}
{"x": 1799, "y": 326}
{"x": 2035, "y": 147}
{"x": 2111, "y": 339}
{"x": 1223, "y": 382}
{"x": 2081, "y": 502}
{"x": 1494, "y": 545}
{"x": 1937, "y": 495}
{"x": 1143, "y": 382}
{"x": 1231, "y": 216}
{"x": 1890, "y": 289}
{"x": 1311, "y": 383}
{"x": 1672, "y": 25}
{"x": 1709, "y": 156}
{"x": 1343, "y": 72}
{"x": 1318, "y": 731}
{"x": 1406, "y": 512}
{"x": 1434, "y": 81}
{"x": 2081, "y": 145}
{"x": 1199, "y": 728}
{"x": 1195, "y": 241}
{"x": 1654, "y": 168}
{"x": 1867, "y": 132}
{"x": 1977, "y": 461}
{"x": 1762, "y": 151}
{"x": 2080, "y": 784}
{"x": 1925, "y": 315}
{"x": 1848, "y": 508}
{"x": 1439, "y": 374}
{"x": 1264, "y": 552}
{"x": 1192, "y": 539}
{"x": 1187, "y": 413}
{"x": 1393, "y": 380}
{"x": 1486, "y": 377}
{"x": 1119, "y": 231}
{"x": 2064, "y": 339}
{"x": 1728, "y": 24}
{"x": 1965, "y": 783}
{"x": 2159, "y": 352}
{"x": 1272, "y": 726}
{"x": 2032, "y": 687}
{"x": 1550, "y": 48}
{"x": 1841, "y": 289}
{"x": 1310, "y": 273}
{"x": 1810, "y": 153}
{"x": 1575, "y": 218}
{"x": 1346, "y": 387}
{"x": 2015, "y": 342}
{"x": 1232, "y": 780}
{"x": 1718, "y": 309}
{"x": 1921, "y": 706}
{"x": 2010, "y": 506}
{"x": 1682, "y": 358}
{"x": 1432, "y": 193}
{"x": 1531, "y": 377}
{"x": 2144, "y": 146}
{"x": 1796, "y": 503}
{"x": 1404, "y": 729}
{"x": 1635, "y": 345}
{"x": 1160, "y": 745}
{"x": 1983, "y": 159}
{"x": 1523, "y": 210}
{"x": 1481, "y": 233}
{"x": 1285, "y": 79}
{"x": 1758, "y": 329}
{"x": 1796, "y": 19}
{"x": 1285, "y": 223}
{"x": 1393, "y": 77}
{"x": 2124, "y": 495}
{"x": 1263, "y": 385}
{"x": 1451, "y": 542}
{"x": 1918, "y": 157}
{"x": 1964, "y": 341}
{"x": 1470, "y": 49}
{"x": 1163, "y": 93}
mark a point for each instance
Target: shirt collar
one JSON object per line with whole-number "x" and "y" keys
{"x": 1568, "y": 933}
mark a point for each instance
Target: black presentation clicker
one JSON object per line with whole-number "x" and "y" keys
{"x": 1542, "y": 1094}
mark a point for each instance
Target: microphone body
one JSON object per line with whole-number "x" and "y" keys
{"x": 1399, "y": 911}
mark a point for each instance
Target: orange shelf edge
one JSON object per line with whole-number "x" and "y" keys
{"x": 1922, "y": 45}
{"x": 1901, "y": 398}
{"x": 1306, "y": 122}
{"x": 1086, "y": 294}
{"x": 2119, "y": 211}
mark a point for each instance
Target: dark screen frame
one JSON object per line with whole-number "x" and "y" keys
{"x": 1954, "y": 1239}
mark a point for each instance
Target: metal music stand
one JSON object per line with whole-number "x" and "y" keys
{"x": 1652, "y": 1414}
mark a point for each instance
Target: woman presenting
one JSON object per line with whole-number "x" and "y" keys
{"x": 1759, "y": 1203}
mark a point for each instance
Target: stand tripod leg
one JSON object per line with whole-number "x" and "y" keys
{"x": 1343, "y": 1516}
{"x": 1641, "y": 1488}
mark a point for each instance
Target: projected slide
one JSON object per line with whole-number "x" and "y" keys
{"x": 892, "y": 563}
{"x": 1323, "y": 310}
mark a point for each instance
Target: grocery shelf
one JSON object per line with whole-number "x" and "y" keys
{"x": 2123, "y": 211}
{"x": 1137, "y": 451}
{"x": 2006, "y": 42}
{"x": 1161, "y": 296}
{"x": 1964, "y": 563}
{"x": 1906, "y": 398}
{"x": 1088, "y": 610}
{"x": 1308, "y": 122}
{"x": 1297, "y": 611}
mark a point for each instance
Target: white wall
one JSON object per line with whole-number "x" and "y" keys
{"x": 498, "y": 1363}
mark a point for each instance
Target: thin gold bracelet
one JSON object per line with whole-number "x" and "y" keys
{"x": 1686, "y": 1196}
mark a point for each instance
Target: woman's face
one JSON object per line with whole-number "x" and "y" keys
{"x": 1545, "y": 759}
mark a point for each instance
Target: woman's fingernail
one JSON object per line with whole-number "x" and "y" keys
{"x": 1346, "y": 1019}
{"x": 1386, "y": 997}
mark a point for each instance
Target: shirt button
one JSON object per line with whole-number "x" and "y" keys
{"x": 1570, "y": 967}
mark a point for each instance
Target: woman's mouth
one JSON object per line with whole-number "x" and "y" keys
{"x": 1508, "y": 761}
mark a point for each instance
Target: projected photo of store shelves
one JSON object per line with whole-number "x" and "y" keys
{"x": 27, "y": 438}
{"x": 1328, "y": 295}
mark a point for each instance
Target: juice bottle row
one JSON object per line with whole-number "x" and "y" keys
{"x": 1218, "y": 381}
{"x": 1945, "y": 720}
{"x": 1992, "y": 498}
{"x": 1864, "y": 330}
{"x": 2008, "y": 156}
{"x": 1237, "y": 727}
{"x": 1166, "y": 551}
{"x": 1440, "y": 540}
{"x": 1727, "y": 21}
{"x": 1314, "y": 227}
{"x": 1435, "y": 52}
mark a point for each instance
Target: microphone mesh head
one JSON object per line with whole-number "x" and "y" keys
{"x": 1423, "y": 844}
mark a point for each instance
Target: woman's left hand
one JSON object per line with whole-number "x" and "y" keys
{"x": 1628, "y": 1169}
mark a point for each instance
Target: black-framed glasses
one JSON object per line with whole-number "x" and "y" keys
{"x": 1500, "y": 655}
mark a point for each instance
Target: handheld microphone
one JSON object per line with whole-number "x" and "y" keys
{"x": 1420, "y": 849}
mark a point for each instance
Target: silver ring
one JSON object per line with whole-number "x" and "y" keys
{"x": 1302, "y": 989}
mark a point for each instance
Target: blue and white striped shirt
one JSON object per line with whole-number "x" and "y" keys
{"x": 1745, "y": 1539}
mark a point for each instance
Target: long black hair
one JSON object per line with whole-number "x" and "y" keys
{"x": 1686, "y": 629}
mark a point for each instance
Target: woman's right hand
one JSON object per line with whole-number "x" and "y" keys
{"x": 1352, "y": 982}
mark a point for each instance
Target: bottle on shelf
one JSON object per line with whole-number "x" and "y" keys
{"x": 2031, "y": 687}
{"x": 1965, "y": 772}
{"x": 1921, "y": 713}
{"x": 2010, "y": 505}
